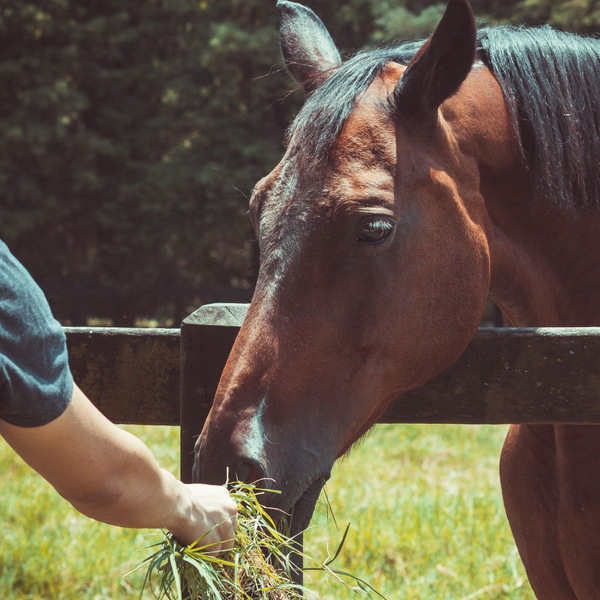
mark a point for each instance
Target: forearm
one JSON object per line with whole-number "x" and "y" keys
{"x": 136, "y": 492}
{"x": 131, "y": 490}
{"x": 110, "y": 475}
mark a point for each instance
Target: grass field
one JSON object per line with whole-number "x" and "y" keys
{"x": 424, "y": 503}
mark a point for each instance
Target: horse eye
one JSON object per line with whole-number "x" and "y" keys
{"x": 375, "y": 230}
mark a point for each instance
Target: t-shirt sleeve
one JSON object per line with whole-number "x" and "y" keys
{"x": 35, "y": 380}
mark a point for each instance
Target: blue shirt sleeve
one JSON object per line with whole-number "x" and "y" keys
{"x": 35, "y": 380}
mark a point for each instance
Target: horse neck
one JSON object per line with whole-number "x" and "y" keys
{"x": 544, "y": 262}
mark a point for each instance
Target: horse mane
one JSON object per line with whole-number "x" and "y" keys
{"x": 551, "y": 83}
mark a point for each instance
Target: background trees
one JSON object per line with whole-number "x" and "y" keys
{"x": 132, "y": 132}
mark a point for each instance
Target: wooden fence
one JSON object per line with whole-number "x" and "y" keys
{"x": 169, "y": 376}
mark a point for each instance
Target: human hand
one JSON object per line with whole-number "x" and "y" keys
{"x": 212, "y": 515}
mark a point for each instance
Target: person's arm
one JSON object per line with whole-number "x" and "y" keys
{"x": 110, "y": 475}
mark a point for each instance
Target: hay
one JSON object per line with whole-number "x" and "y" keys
{"x": 257, "y": 568}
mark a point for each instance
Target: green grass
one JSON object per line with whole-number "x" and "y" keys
{"x": 424, "y": 502}
{"x": 427, "y": 516}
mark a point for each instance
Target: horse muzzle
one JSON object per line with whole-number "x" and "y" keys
{"x": 292, "y": 484}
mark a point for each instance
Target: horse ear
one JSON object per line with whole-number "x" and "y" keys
{"x": 308, "y": 51}
{"x": 442, "y": 64}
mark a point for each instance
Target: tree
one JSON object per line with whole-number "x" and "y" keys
{"x": 100, "y": 170}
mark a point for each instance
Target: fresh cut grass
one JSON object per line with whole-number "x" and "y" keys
{"x": 424, "y": 502}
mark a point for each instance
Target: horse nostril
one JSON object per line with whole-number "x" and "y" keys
{"x": 248, "y": 472}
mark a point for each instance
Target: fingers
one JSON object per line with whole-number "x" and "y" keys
{"x": 220, "y": 538}
{"x": 223, "y": 533}
{"x": 213, "y": 519}
{"x": 227, "y": 535}
{"x": 230, "y": 524}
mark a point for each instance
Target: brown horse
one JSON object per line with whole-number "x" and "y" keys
{"x": 417, "y": 182}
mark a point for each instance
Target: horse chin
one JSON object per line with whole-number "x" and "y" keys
{"x": 304, "y": 507}
{"x": 301, "y": 515}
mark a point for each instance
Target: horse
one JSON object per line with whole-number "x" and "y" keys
{"x": 417, "y": 182}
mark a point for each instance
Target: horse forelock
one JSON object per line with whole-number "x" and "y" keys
{"x": 318, "y": 125}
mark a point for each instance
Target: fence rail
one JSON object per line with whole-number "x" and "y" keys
{"x": 132, "y": 375}
{"x": 169, "y": 377}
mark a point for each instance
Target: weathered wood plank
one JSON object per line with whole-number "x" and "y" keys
{"x": 549, "y": 375}
{"x": 504, "y": 376}
{"x": 131, "y": 375}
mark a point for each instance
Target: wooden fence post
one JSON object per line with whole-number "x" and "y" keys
{"x": 206, "y": 339}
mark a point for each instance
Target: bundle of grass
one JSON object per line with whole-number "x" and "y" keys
{"x": 257, "y": 568}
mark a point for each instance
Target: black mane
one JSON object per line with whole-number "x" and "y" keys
{"x": 551, "y": 83}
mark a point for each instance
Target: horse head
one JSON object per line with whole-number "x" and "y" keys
{"x": 374, "y": 264}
